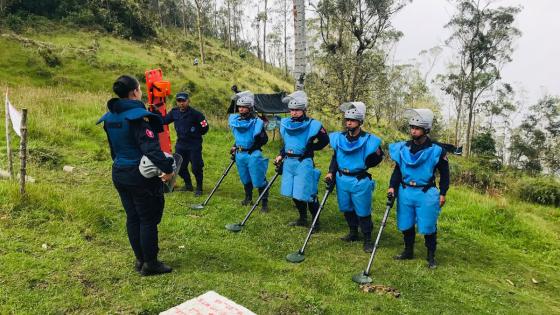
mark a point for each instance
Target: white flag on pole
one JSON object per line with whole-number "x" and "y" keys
{"x": 15, "y": 116}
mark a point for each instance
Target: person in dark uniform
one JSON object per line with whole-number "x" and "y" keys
{"x": 413, "y": 182}
{"x": 354, "y": 152}
{"x": 132, "y": 133}
{"x": 190, "y": 126}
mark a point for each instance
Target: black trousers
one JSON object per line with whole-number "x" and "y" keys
{"x": 143, "y": 203}
{"x": 194, "y": 157}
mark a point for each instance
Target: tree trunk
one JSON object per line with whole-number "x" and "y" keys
{"x": 159, "y": 13}
{"x": 469, "y": 124}
{"x": 184, "y": 16}
{"x": 199, "y": 27}
{"x": 458, "y": 122}
{"x": 264, "y": 34}
{"x": 285, "y": 38}
{"x": 229, "y": 25}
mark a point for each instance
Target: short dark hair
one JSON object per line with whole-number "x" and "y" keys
{"x": 124, "y": 84}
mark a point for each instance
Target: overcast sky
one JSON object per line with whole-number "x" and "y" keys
{"x": 535, "y": 68}
{"x": 536, "y": 60}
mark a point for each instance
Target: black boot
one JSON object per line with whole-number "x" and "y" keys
{"x": 154, "y": 268}
{"x": 302, "y": 209}
{"x": 248, "y": 194}
{"x": 313, "y": 208}
{"x": 352, "y": 220}
{"x": 368, "y": 245}
{"x": 264, "y": 200}
{"x": 138, "y": 265}
{"x": 430, "y": 240}
{"x": 367, "y": 227}
{"x": 408, "y": 252}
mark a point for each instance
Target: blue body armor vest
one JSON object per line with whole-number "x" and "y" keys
{"x": 245, "y": 130}
{"x": 117, "y": 126}
{"x": 351, "y": 155}
{"x": 296, "y": 134}
{"x": 417, "y": 169}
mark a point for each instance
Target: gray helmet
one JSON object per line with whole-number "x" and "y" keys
{"x": 149, "y": 170}
{"x": 244, "y": 99}
{"x": 354, "y": 110}
{"x": 296, "y": 100}
{"x": 421, "y": 117}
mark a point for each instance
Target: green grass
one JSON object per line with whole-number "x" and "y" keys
{"x": 484, "y": 242}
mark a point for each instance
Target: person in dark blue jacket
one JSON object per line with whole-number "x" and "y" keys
{"x": 190, "y": 126}
{"x": 132, "y": 132}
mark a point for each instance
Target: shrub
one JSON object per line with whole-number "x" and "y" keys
{"x": 542, "y": 190}
{"x": 51, "y": 58}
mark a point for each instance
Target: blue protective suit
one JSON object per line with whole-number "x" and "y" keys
{"x": 251, "y": 165}
{"x": 300, "y": 178}
{"x": 417, "y": 198}
{"x": 354, "y": 192}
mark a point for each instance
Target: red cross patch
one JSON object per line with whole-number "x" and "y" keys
{"x": 149, "y": 133}
{"x": 204, "y": 123}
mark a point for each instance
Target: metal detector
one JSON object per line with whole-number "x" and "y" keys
{"x": 299, "y": 256}
{"x": 363, "y": 277}
{"x": 202, "y": 205}
{"x": 236, "y": 227}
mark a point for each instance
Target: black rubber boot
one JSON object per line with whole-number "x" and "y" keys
{"x": 248, "y": 194}
{"x": 368, "y": 245}
{"x": 352, "y": 220}
{"x": 154, "y": 268}
{"x": 302, "y": 209}
{"x": 138, "y": 265}
{"x": 408, "y": 252}
{"x": 430, "y": 240}
{"x": 313, "y": 208}
{"x": 366, "y": 225}
{"x": 264, "y": 200}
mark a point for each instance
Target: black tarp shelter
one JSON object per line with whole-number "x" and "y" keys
{"x": 266, "y": 104}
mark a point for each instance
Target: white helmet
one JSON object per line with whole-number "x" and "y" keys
{"x": 245, "y": 99}
{"x": 296, "y": 100}
{"x": 354, "y": 110}
{"x": 149, "y": 170}
{"x": 421, "y": 117}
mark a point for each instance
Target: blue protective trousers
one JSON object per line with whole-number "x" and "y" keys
{"x": 417, "y": 207}
{"x": 252, "y": 168}
{"x": 300, "y": 179}
{"x": 354, "y": 195}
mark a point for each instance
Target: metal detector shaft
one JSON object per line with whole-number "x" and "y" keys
{"x": 321, "y": 206}
{"x": 259, "y": 199}
{"x": 383, "y": 223}
{"x": 219, "y": 182}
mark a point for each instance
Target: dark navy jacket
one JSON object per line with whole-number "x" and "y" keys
{"x": 132, "y": 132}
{"x": 190, "y": 126}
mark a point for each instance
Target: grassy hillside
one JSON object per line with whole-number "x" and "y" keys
{"x": 490, "y": 249}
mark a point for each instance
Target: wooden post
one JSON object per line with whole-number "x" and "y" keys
{"x": 8, "y": 140}
{"x": 23, "y": 151}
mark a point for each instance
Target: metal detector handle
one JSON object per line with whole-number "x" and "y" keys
{"x": 279, "y": 166}
{"x": 266, "y": 189}
{"x": 330, "y": 188}
{"x": 219, "y": 182}
{"x": 390, "y": 201}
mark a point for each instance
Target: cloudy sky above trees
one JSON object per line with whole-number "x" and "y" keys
{"x": 536, "y": 61}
